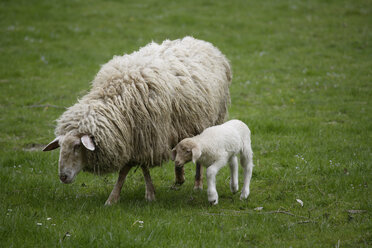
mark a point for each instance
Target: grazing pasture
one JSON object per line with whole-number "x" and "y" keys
{"x": 302, "y": 82}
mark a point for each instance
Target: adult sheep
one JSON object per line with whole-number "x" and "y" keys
{"x": 139, "y": 107}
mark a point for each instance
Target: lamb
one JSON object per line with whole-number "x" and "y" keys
{"x": 139, "y": 107}
{"x": 215, "y": 147}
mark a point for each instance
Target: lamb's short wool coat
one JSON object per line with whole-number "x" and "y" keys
{"x": 215, "y": 147}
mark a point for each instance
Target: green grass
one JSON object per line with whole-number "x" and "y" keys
{"x": 302, "y": 82}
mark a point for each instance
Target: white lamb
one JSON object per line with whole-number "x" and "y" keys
{"x": 215, "y": 147}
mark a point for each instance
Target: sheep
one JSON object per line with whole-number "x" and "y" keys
{"x": 139, "y": 107}
{"x": 215, "y": 147}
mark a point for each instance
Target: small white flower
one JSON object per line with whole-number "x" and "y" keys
{"x": 301, "y": 202}
{"x": 39, "y": 224}
{"x": 49, "y": 218}
{"x": 258, "y": 208}
{"x": 42, "y": 58}
{"x": 140, "y": 223}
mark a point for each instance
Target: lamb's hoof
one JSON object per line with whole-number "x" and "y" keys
{"x": 198, "y": 185}
{"x": 244, "y": 195}
{"x": 234, "y": 189}
{"x": 212, "y": 197}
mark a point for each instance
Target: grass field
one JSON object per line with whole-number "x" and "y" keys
{"x": 302, "y": 82}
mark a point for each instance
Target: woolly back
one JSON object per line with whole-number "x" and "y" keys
{"x": 141, "y": 105}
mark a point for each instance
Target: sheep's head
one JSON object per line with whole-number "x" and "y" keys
{"x": 185, "y": 151}
{"x": 72, "y": 155}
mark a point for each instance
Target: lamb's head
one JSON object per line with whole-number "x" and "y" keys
{"x": 185, "y": 151}
{"x": 72, "y": 156}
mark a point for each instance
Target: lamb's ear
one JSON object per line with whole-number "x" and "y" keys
{"x": 173, "y": 154}
{"x": 52, "y": 145}
{"x": 196, "y": 153}
{"x": 88, "y": 142}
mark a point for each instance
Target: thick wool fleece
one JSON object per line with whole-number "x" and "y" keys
{"x": 142, "y": 104}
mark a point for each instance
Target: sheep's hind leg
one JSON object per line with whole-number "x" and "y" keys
{"x": 198, "y": 177}
{"x": 150, "y": 190}
{"x": 115, "y": 193}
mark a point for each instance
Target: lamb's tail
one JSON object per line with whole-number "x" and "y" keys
{"x": 246, "y": 157}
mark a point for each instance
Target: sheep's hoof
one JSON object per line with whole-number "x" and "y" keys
{"x": 112, "y": 200}
{"x": 150, "y": 197}
{"x": 175, "y": 187}
{"x": 179, "y": 182}
{"x": 198, "y": 187}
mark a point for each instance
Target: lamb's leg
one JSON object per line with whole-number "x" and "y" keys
{"x": 150, "y": 190}
{"x": 246, "y": 160}
{"x": 180, "y": 175}
{"x": 198, "y": 177}
{"x": 234, "y": 186}
{"x": 211, "y": 178}
{"x": 115, "y": 193}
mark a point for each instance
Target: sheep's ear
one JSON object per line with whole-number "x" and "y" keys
{"x": 88, "y": 142}
{"x": 52, "y": 145}
{"x": 173, "y": 154}
{"x": 196, "y": 153}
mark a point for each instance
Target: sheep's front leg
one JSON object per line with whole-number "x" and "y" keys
{"x": 180, "y": 175}
{"x": 198, "y": 177}
{"x": 150, "y": 190}
{"x": 115, "y": 193}
{"x": 234, "y": 186}
{"x": 211, "y": 179}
